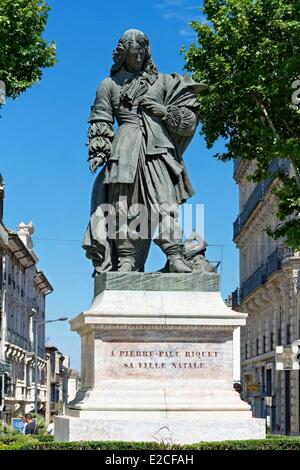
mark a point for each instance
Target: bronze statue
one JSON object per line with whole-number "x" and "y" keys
{"x": 143, "y": 177}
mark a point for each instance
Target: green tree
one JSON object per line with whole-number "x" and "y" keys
{"x": 23, "y": 51}
{"x": 248, "y": 52}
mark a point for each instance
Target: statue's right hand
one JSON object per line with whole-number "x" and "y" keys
{"x": 95, "y": 162}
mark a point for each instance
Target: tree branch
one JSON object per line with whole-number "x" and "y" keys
{"x": 272, "y": 127}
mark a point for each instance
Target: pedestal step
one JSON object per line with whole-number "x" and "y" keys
{"x": 203, "y": 427}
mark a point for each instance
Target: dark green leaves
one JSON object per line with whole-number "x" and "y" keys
{"x": 249, "y": 54}
{"x": 23, "y": 51}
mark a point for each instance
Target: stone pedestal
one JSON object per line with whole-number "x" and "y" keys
{"x": 157, "y": 363}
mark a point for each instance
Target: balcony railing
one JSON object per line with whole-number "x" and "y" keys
{"x": 257, "y": 279}
{"x": 258, "y": 194}
{"x": 236, "y": 227}
{"x": 260, "y": 276}
{"x": 17, "y": 339}
{"x": 274, "y": 261}
{"x": 25, "y": 343}
{"x": 253, "y": 200}
{"x": 236, "y": 297}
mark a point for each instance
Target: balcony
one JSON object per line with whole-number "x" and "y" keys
{"x": 274, "y": 261}
{"x": 17, "y": 339}
{"x": 257, "y": 279}
{"x": 236, "y": 297}
{"x": 260, "y": 276}
{"x": 253, "y": 200}
{"x": 236, "y": 227}
{"x": 257, "y": 195}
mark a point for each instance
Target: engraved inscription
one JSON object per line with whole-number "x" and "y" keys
{"x": 164, "y": 360}
{"x": 156, "y": 359}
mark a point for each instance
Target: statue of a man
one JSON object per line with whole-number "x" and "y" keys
{"x": 143, "y": 179}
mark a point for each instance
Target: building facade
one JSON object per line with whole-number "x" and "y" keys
{"x": 63, "y": 382}
{"x": 23, "y": 294}
{"x": 269, "y": 292}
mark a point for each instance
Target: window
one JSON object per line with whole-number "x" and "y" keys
{"x": 269, "y": 382}
{"x": 264, "y": 344}
{"x": 272, "y": 341}
{"x": 288, "y": 334}
{"x": 263, "y": 377}
{"x": 257, "y": 346}
{"x": 279, "y": 337}
{"x": 279, "y": 333}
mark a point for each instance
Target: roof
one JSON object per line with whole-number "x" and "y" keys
{"x": 42, "y": 283}
{"x": 48, "y": 347}
{"x": 26, "y": 259}
{"x": 19, "y": 250}
{"x": 3, "y": 235}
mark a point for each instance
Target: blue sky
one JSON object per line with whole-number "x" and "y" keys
{"x": 43, "y": 152}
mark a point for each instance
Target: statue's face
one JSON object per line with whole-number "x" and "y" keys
{"x": 135, "y": 57}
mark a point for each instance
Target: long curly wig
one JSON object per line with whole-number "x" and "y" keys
{"x": 119, "y": 54}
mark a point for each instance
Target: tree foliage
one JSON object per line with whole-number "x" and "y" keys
{"x": 23, "y": 50}
{"x": 248, "y": 52}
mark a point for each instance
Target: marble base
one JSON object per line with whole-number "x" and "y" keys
{"x": 157, "y": 364}
{"x": 182, "y": 430}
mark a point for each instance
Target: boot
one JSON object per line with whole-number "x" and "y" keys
{"x": 126, "y": 264}
{"x": 126, "y": 255}
{"x": 177, "y": 264}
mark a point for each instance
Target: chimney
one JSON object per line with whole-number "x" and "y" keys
{"x": 25, "y": 232}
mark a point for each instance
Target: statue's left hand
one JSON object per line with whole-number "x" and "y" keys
{"x": 154, "y": 108}
{"x": 95, "y": 163}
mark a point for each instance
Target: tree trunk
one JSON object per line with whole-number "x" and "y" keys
{"x": 272, "y": 127}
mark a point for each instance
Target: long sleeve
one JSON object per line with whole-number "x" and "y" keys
{"x": 101, "y": 131}
{"x": 100, "y": 136}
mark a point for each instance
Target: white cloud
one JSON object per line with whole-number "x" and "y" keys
{"x": 180, "y": 10}
{"x": 169, "y": 3}
{"x": 188, "y": 33}
{"x": 176, "y": 15}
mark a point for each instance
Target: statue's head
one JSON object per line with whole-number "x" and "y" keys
{"x": 133, "y": 53}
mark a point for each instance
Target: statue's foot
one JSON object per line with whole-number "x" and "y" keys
{"x": 125, "y": 265}
{"x": 179, "y": 266}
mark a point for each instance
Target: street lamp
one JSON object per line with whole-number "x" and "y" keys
{"x": 37, "y": 323}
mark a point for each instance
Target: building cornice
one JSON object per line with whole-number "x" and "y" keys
{"x": 240, "y": 169}
{"x": 283, "y": 282}
{"x": 3, "y": 236}
{"x": 42, "y": 283}
{"x": 257, "y": 196}
{"x": 260, "y": 358}
{"x": 18, "y": 354}
{"x": 19, "y": 250}
{"x": 257, "y": 221}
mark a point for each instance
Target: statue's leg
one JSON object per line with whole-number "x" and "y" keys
{"x": 126, "y": 255}
{"x": 120, "y": 197}
{"x": 163, "y": 211}
{"x": 170, "y": 241}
